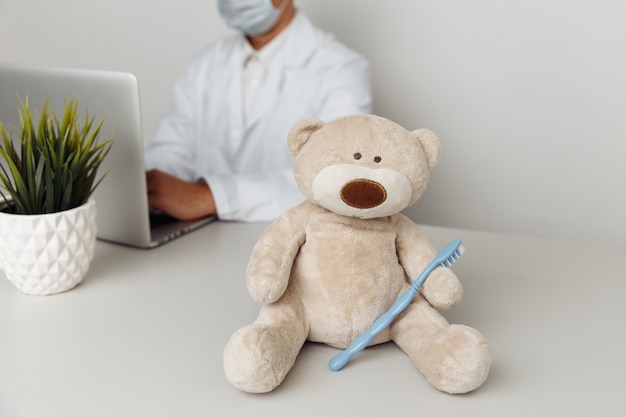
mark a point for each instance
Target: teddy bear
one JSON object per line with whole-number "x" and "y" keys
{"x": 327, "y": 268}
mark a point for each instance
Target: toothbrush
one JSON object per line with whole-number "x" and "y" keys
{"x": 447, "y": 256}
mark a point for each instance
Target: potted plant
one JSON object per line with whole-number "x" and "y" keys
{"x": 48, "y": 172}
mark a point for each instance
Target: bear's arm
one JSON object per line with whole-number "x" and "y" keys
{"x": 271, "y": 260}
{"x": 442, "y": 288}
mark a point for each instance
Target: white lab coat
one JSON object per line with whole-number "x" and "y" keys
{"x": 246, "y": 162}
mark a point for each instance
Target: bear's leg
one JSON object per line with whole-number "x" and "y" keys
{"x": 258, "y": 356}
{"x": 454, "y": 358}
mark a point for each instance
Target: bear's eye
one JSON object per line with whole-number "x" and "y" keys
{"x": 377, "y": 159}
{"x": 357, "y": 156}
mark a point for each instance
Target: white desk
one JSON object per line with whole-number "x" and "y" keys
{"x": 143, "y": 336}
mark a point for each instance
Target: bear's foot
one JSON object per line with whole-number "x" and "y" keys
{"x": 256, "y": 359}
{"x": 456, "y": 361}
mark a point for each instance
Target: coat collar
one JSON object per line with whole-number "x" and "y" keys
{"x": 301, "y": 42}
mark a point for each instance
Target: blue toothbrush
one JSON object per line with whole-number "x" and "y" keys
{"x": 447, "y": 256}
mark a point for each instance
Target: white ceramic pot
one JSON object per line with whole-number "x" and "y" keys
{"x": 44, "y": 254}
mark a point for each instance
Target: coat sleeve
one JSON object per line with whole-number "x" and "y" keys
{"x": 172, "y": 147}
{"x": 257, "y": 197}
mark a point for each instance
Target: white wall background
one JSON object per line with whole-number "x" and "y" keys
{"x": 528, "y": 97}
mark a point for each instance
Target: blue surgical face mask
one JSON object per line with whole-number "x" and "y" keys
{"x": 252, "y": 17}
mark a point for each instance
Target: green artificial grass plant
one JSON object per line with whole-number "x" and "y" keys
{"x": 53, "y": 167}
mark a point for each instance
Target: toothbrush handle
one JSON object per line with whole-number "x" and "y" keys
{"x": 361, "y": 342}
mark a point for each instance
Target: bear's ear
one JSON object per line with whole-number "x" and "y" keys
{"x": 300, "y": 134}
{"x": 430, "y": 144}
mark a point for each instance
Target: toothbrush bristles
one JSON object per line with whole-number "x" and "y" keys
{"x": 453, "y": 258}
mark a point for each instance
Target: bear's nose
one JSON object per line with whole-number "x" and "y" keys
{"x": 363, "y": 194}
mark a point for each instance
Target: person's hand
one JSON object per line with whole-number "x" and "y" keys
{"x": 180, "y": 199}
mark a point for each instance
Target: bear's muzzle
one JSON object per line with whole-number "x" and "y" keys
{"x": 363, "y": 194}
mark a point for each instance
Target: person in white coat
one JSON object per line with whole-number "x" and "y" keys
{"x": 223, "y": 149}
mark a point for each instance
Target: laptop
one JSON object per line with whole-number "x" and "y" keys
{"x": 121, "y": 199}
